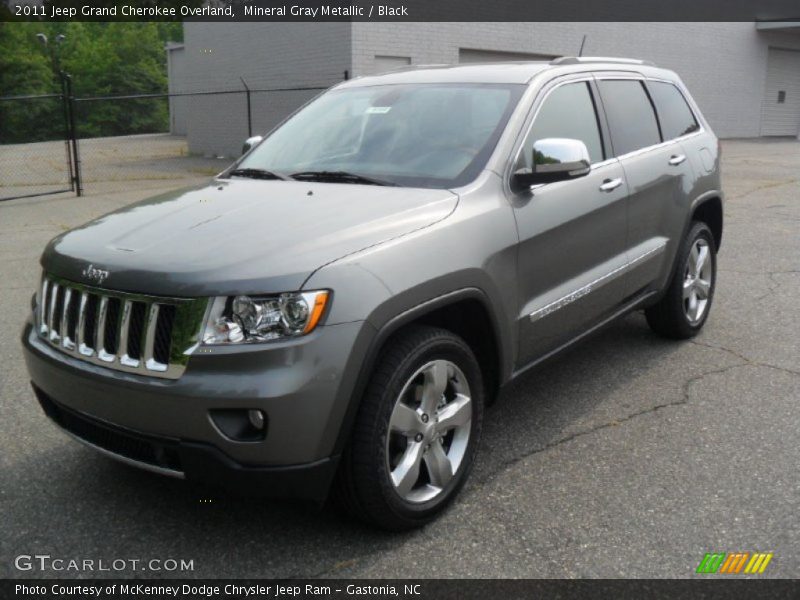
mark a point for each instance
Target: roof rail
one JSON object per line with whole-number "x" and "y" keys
{"x": 578, "y": 60}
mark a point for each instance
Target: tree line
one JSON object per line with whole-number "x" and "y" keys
{"x": 103, "y": 59}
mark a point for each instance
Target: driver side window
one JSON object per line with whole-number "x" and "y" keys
{"x": 567, "y": 112}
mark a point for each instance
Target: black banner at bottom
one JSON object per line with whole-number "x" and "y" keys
{"x": 385, "y": 589}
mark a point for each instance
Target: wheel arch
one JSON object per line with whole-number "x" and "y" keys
{"x": 708, "y": 209}
{"x": 456, "y": 311}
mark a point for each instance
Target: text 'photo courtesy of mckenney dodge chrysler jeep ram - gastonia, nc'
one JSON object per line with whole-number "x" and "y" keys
{"x": 329, "y": 317}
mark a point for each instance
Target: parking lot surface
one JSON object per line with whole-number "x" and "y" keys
{"x": 629, "y": 456}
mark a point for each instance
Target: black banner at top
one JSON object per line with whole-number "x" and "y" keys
{"x": 400, "y": 10}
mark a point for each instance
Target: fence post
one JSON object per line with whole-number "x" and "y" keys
{"x": 249, "y": 112}
{"x": 73, "y": 134}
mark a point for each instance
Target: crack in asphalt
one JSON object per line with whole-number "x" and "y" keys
{"x": 780, "y": 272}
{"x": 766, "y": 186}
{"x": 772, "y": 286}
{"x": 747, "y": 361}
{"x": 763, "y": 213}
{"x": 772, "y": 283}
{"x": 684, "y": 399}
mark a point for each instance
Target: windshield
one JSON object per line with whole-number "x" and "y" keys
{"x": 418, "y": 135}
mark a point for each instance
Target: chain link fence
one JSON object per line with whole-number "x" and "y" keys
{"x": 127, "y": 140}
{"x": 141, "y": 140}
{"x": 34, "y": 147}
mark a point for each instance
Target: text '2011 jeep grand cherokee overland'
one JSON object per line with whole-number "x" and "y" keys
{"x": 334, "y": 310}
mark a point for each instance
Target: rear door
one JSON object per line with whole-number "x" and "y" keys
{"x": 658, "y": 175}
{"x": 572, "y": 233}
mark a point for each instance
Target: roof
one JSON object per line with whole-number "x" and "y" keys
{"x": 494, "y": 72}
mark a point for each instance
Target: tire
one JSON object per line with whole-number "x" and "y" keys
{"x": 674, "y": 316}
{"x": 396, "y": 428}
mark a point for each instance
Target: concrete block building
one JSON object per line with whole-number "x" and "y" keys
{"x": 745, "y": 76}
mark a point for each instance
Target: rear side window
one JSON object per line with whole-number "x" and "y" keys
{"x": 567, "y": 112}
{"x": 630, "y": 115}
{"x": 676, "y": 117}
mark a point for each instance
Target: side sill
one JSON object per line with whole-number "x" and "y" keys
{"x": 625, "y": 309}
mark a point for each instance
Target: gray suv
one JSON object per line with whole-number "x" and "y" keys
{"x": 333, "y": 312}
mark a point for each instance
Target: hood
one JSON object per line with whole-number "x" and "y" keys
{"x": 240, "y": 236}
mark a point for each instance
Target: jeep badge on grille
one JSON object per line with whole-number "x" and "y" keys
{"x": 92, "y": 273}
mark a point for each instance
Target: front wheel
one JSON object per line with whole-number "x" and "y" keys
{"x": 416, "y": 432}
{"x": 684, "y": 308}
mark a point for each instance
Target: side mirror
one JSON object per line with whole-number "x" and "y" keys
{"x": 554, "y": 159}
{"x": 250, "y": 142}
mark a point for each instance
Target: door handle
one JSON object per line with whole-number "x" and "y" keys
{"x": 676, "y": 159}
{"x": 609, "y": 185}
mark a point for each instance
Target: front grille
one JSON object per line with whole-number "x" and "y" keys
{"x": 128, "y": 332}
{"x": 153, "y": 451}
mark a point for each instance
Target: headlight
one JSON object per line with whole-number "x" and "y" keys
{"x": 243, "y": 319}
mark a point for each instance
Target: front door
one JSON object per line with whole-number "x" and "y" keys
{"x": 572, "y": 233}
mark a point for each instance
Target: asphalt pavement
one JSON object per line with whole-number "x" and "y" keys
{"x": 629, "y": 456}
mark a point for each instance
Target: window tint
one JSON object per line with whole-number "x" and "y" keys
{"x": 568, "y": 112}
{"x": 675, "y": 115}
{"x": 630, "y": 115}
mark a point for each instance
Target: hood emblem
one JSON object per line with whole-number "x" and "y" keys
{"x": 94, "y": 274}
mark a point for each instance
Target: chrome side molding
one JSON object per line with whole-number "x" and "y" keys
{"x": 597, "y": 283}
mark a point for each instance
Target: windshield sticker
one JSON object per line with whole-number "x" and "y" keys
{"x": 378, "y": 110}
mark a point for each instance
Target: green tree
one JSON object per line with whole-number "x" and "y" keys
{"x": 26, "y": 70}
{"x": 104, "y": 59}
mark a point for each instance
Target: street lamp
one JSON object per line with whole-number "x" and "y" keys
{"x": 69, "y": 111}
{"x": 54, "y": 50}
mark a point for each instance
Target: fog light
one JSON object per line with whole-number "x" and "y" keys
{"x": 256, "y": 418}
{"x": 241, "y": 424}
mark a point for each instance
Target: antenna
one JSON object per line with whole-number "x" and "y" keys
{"x": 583, "y": 41}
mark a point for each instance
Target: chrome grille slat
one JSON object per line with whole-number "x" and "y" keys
{"x": 66, "y": 342}
{"x": 80, "y": 328}
{"x": 148, "y": 352}
{"x": 51, "y": 314}
{"x": 100, "y": 327}
{"x": 123, "y": 336}
{"x": 119, "y": 330}
{"x": 43, "y": 300}
{"x": 100, "y": 331}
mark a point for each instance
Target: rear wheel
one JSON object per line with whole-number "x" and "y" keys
{"x": 416, "y": 433}
{"x": 683, "y": 310}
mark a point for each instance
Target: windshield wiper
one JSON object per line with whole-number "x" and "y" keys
{"x": 258, "y": 174}
{"x": 339, "y": 177}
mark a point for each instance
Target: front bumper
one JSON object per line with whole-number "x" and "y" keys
{"x": 194, "y": 461}
{"x": 303, "y": 385}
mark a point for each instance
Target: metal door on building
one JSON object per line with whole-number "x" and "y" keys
{"x": 781, "y": 108}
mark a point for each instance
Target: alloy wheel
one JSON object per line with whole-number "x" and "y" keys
{"x": 697, "y": 281}
{"x": 429, "y": 431}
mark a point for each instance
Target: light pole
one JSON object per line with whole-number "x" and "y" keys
{"x": 54, "y": 51}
